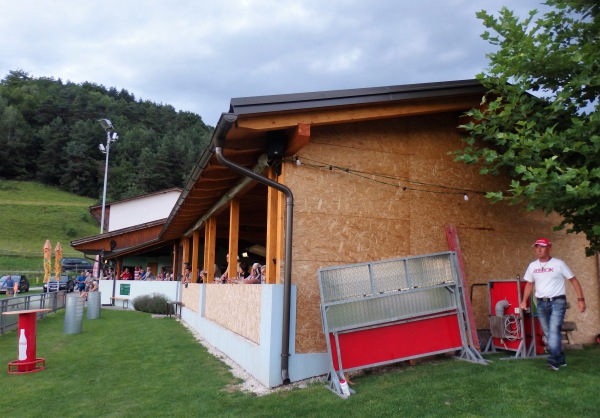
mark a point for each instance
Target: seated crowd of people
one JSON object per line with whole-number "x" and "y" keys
{"x": 245, "y": 275}
{"x": 254, "y": 274}
{"x": 140, "y": 274}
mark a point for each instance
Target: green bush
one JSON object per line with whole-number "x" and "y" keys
{"x": 157, "y": 303}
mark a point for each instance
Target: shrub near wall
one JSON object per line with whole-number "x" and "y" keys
{"x": 155, "y": 303}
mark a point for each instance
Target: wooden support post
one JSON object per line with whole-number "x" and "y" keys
{"x": 210, "y": 243}
{"x": 234, "y": 230}
{"x": 280, "y": 230}
{"x": 185, "y": 256}
{"x": 272, "y": 222}
{"x": 119, "y": 268}
{"x": 195, "y": 251}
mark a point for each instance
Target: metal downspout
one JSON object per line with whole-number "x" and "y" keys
{"x": 224, "y": 125}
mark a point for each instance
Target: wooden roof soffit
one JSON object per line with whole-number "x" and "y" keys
{"x": 240, "y": 188}
{"x": 329, "y": 116}
{"x": 299, "y": 138}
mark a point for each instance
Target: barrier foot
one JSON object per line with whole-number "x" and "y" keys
{"x": 24, "y": 367}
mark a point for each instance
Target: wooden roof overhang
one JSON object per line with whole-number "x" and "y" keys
{"x": 247, "y": 140}
{"x": 115, "y": 243}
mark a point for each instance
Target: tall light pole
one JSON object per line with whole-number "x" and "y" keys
{"x": 111, "y": 136}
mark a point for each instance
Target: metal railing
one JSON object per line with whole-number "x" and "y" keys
{"x": 53, "y": 301}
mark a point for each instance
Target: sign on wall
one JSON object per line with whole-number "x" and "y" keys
{"x": 124, "y": 289}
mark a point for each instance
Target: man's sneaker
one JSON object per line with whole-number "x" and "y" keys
{"x": 552, "y": 367}
{"x": 563, "y": 364}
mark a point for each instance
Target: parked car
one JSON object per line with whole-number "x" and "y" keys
{"x": 76, "y": 264}
{"x": 17, "y": 278}
{"x": 64, "y": 283}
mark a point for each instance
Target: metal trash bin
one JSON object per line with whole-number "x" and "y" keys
{"x": 74, "y": 314}
{"x": 93, "y": 305}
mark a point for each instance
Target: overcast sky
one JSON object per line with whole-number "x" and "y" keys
{"x": 197, "y": 54}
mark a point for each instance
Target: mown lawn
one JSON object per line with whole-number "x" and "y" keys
{"x": 128, "y": 364}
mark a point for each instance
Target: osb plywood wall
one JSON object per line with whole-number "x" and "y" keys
{"x": 235, "y": 307}
{"x": 342, "y": 217}
{"x": 190, "y": 296}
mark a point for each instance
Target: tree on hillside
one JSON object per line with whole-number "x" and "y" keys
{"x": 49, "y": 133}
{"x": 540, "y": 121}
{"x": 50, "y": 139}
{"x": 15, "y": 143}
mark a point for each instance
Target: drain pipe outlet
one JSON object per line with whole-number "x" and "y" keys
{"x": 228, "y": 120}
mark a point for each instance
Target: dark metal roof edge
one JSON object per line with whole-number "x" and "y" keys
{"x": 263, "y": 104}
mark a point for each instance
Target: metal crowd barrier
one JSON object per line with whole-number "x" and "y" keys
{"x": 52, "y": 300}
{"x": 387, "y": 311}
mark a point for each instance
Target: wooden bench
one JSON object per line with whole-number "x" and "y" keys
{"x": 125, "y": 301}
{"x": 175, "y": 304}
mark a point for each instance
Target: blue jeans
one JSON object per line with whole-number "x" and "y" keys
{"x": 551, "y": 315}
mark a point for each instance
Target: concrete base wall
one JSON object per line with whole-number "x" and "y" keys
{"x": 171, "y": 290}
{"x": 262, "y": 360}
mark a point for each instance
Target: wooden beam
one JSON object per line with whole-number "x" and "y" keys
{"x": 272, "y": 222}
{"x": 210, "y": 243}
{"x": 365, "y": 112}
{"x": 234, "y": 225}
{"x": 195, "y": 251}
{"x": 119, "y": 267}
{"x": 185, "y": 256}
{"x": 175, "y": 255}
{"x": 299, "y": 139}
{"x": 280, "y": 229}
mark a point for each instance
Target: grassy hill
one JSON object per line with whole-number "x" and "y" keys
{"x": 31, "y": 213}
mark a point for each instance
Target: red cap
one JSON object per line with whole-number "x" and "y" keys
{"x": 543, "y": 242}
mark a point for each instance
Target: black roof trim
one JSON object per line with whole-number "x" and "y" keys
{"x": 284, "y": 102}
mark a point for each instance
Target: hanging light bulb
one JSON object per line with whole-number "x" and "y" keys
{"x": 466, "y": 197}
{"x": 297, "y": 161}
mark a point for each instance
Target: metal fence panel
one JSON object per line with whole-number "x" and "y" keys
{"x": 370, "y": 296}
{"x": 52, "y": 300}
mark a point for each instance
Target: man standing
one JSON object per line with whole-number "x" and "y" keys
{"x": 548, "y": 274}
{"x": 10, "y": 284}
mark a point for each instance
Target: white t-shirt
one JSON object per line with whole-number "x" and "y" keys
{"x": 549, "y": 278}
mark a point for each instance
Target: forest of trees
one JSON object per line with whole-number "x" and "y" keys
{"x": 49, "y": 133}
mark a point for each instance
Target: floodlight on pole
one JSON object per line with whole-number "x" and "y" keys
{"x": 111, "y": 136}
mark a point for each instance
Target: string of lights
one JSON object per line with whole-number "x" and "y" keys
{"x": 387, "y": 180}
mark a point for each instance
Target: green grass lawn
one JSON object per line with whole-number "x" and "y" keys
{"x": 128, "y": 364}
{"x": 33, "y": 213}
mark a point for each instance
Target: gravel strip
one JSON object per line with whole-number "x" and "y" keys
{"x": 249, "y": 384}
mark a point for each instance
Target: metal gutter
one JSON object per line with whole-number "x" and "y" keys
{"x": 225, "y": 124}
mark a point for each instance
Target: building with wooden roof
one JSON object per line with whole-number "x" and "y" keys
{"x": 339, "y": 177}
